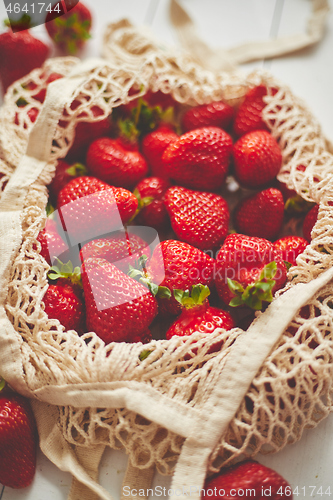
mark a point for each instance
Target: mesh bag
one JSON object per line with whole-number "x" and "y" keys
{"x": 183, "y": 409}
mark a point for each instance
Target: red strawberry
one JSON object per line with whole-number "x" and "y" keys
{"x": 150, "y": 193}
{"x": 122, "y": 249}
{"x": 199, "y": 159}
{"x": 175, "y": 264}
{"x": 70, "y": 30}
{"x": 214, "y": 114}
{"x": 51, "y": 242}
{"x": 290, "y": 247}
{"x": 153, "y": 146}
{"x": 249, "y": 114}
{"x": 248, "y": 271}
{"x": 197, "y": 315}
{"x": 63, "y": 303}
{"x": 89, "y": 208}
{"x": 309, "y": 221}
{"x": 18, "y": 440}
{"x": 63, "y": 175}
{"x": 260, "y": 214}
{"x": 257, "y": 159}
{"x": 198, "y": 218}
{"x": 110, "y": 162}
{"x": 20, "y": 53}
{"x": 259, "y": 481}
{"x": 118, "y": 307}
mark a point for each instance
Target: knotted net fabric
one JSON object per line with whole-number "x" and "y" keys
{"x": 185, "y": 408}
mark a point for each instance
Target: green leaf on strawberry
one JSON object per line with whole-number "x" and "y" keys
{"x": 255, "y": 294}
{"x": 2, "y": 383}
{"x": 297, "y": 205}
{"x": 65, "y": 271}
{"x": 195, "y": 297}
{"x": 144, "y": 354}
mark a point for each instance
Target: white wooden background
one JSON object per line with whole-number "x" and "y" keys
{"x": 224, "y": 23}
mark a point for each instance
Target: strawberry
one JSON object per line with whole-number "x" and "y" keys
{"x": 20, "y": 53}
{"x": 150, "y": 194}
{"x": 110, "y": 162}
{"x": 63, "y": 174}
{"x": 290, "y": 247}
{"x": 249, "y": 114}
{"x": 309, "y": 221}
{"x": 214, "y": 114}
{"x": 248, "y": 477}
{"x": 260, "y": 214}
{"x": 52, "y": 244}
{"x": 18, "y": 440}
{"x": 198, "y": 218}
{"x": 175, "y": 264}
{"x": 257, "y": 159}
{"x": 88, "y": 207}
{"x": 153, "y": 146}
{"x": 248, "y": 271}
{"x": 197, "y": 315}
{"x": 70, "y": 31}
{"x": 121, "y": 248}
{"x": 63, "y": 303}
{"x": 199, "y": 159}
{"x": 118, "y": 308}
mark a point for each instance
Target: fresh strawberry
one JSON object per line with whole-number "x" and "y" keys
{"x": 177, "y": 265}
{"x": 248, "y": 271}
{"x": 309, "y": 221}
{"x": 70, "y": 31}
{"x": 63, "y": 175}
{"x": 248, "y": 476}
{"x": 153, "y": 146}
{"x": 121, "y": 248}
{"x": 214, "y": 114}
{"x": 152, "y": 99}
{"x": 18, "y": 440}
{"x": 40, "y": 96}
{"x": 257, "y": 159}
{"x": 197, "y": 315}
{"x": 199, "y": 159}
{"x": 109, "y": 161}
{"x": 88, "y": 208}
{"x": 52, "y": 244}
{"x": 32, "y": 114}
{"x": 290, "y": 247}
{"x": 85, "y": 133}
{"x": 118, "y": 308}
{"x": 260, "y": 214}
{"x": 63, "y": 303}
{"x": 20, "y": 53}
{"x": 150, "y": 194}
{"x": 249, "y": 114}
{"x": 198, "y": 218}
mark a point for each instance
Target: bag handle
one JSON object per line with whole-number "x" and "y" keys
{"x": 228, "y": 59}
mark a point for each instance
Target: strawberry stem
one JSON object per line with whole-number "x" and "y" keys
{"x": 255, "y": 294}
{"x": 65, "y": 271}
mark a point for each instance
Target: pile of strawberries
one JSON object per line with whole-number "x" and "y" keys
{"x": 169, "y": 216}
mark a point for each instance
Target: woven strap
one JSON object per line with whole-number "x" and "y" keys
{"x": 227, "y": 60}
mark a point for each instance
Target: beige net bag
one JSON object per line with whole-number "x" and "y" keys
{"x": 183, "y": 409}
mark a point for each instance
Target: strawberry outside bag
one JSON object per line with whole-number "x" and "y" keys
{"x": 183, "y": 409}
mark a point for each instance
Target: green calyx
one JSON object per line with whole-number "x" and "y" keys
{"x": 255, "y": 294}
{"x": 2, "y": 383}
{"x": 24, "y": 23}
{"x": 144, "y": 354}
{"x": 143, "y": 119}
{"x": 297, "y": 205}
{"x": 71, "y": 31}
{"x": 65, "y": 271}
{"x": 193, "y": 298}
{"x": 139, "y": 274}
{"x": 77, "y": 170}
